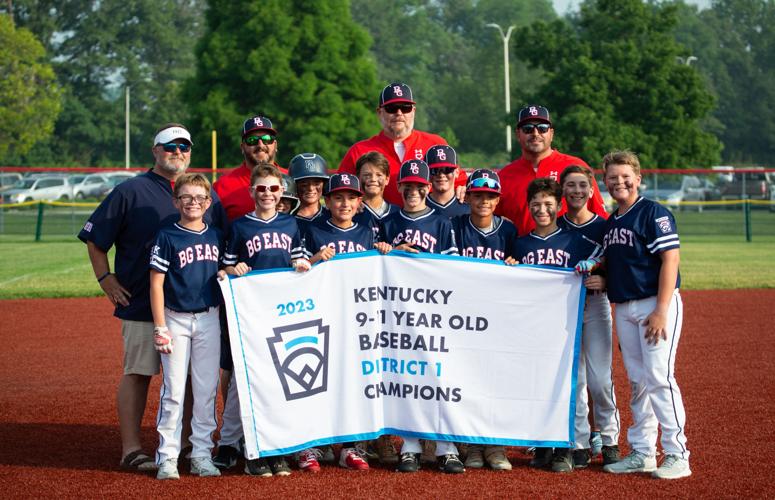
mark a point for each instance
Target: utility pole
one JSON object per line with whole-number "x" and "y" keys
{"x": 506, "y": 85}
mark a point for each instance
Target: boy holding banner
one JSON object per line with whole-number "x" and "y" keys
{"x": 262, "y": 239}
{"x": 550, "y": 245}
{"x": 483, "y": 235}
{"x": 418, "y": 228}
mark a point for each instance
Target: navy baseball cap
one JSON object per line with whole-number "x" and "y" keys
{"x": 344, "y": 182}
{"x": 533, "y": 112}
{"x": 396, "y": 92}
{"x": 483, "y": 180}
{"x": 414, "y": 171}
{"x": 440, "y": 156}
{"x": 257, "y": 123}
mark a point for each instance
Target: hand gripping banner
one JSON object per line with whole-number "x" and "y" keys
{"x": 436, "y": 347}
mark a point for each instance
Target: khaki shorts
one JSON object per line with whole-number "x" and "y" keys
{"x": 140, "y": 356}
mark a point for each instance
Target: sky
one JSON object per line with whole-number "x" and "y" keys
{"x": 563, "y": 6}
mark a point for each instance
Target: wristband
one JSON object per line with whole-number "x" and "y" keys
{"x": 99, "y": 280}
{"x": 160, "y": 329}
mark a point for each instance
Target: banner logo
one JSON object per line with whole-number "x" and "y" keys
{"x": 300, "y": 356}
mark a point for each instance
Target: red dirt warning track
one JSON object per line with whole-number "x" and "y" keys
{"x": 61, "y": 359}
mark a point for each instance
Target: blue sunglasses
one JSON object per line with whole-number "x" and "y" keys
{"x": 488, "y": 182}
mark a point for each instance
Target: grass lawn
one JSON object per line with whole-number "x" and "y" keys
{"x": 62, "y": 269}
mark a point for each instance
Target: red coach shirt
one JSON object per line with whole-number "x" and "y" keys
{"x": 232, "y": 189}
{"x": 515, "y": 178}
{"x": 416, "y": 145}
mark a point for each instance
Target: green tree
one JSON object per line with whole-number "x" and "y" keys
{"x": 302, "y": 63}
{"x": 614, "y": 81}
{"x": 97, "y": 49}
{"x": 29, "y": 96}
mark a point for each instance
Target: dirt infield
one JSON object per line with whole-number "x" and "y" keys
{"x": 61, "y": 359}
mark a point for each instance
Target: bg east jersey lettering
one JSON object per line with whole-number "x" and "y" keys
{"x": 198, "y": 253}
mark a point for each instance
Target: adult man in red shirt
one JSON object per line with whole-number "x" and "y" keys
{"x": 259, "y": 144}
{"x": 535, "y": 133}
{"x": 398, "y": 140}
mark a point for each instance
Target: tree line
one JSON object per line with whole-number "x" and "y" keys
{"x": 684, "y": 87}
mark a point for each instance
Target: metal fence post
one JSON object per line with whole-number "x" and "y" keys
{"x": 39, "y": 225}
{"x": 747, "y": 212}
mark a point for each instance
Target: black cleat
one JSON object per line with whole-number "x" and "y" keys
{"x": 562, "y": 460}
{"x": 410, "y": 462}
{"x": 542, "y": 458}
{"x": 227, "y": 457}
{"x": 258, "y": 467}
{"x": 450, "y": 464}
{"x": 610, "y": 455}
{"x": 581, "y": 459}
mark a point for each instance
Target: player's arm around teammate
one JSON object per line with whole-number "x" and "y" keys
{"x": 184, "y": 304}
{"x": 642, "y": 257}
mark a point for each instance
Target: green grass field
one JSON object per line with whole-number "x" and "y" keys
{"x": 62, "y": 269}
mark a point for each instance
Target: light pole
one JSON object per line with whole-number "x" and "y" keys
{"x": 505, "y": 77}
{"x": 686, "y": 60}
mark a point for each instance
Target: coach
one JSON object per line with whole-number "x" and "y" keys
{"x": 398, "y": 140}
{"x": 129, "y": 218}
{"x": 535, "y": 133}
{"x": 258, "y": 145}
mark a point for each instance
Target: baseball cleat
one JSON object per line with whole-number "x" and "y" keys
{"x": 673, "y": 467}
{"x": 634, "y": 462}
{"x": 581, "y": 459}
{"x": 450, "y": 464}
{"x": 410, "y": 462}
{"x": 168, "y": 470}
{"x": 279, "y": 466}
{"x": 258, "y": 467}
{"x": 204, "y": 467}
{"x": 349, "y": 458}
{"x": 542, "y": 458}
{"x": 227, "y": 457}
{"x": 496, "y": 458}
{"x": 610, "y": 455}
{"x": 475, "y": 458}
{"x": 562, "y": 460}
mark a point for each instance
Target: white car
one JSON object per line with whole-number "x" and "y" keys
{"x": 90, "y": 186}
{"x": 8, "y": 179}
{"x": 38, "y": 188}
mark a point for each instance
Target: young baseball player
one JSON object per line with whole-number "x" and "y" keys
{"x": 373, "y": 171}
{"x": 262, "y": 239}
{"x": 642, "y": 256}
{"x": 595, "y": 359}
{"x": 310, "y": 172}
{"x": 442, "y": 160}
{"x": 418, "y": 228}
{"x": 184, "y": 302}
{"x": 550, "y": 245}
{"x": 483, "y": 235}
{"x": 289, "y": 201}
{"x": 338, "y": 235}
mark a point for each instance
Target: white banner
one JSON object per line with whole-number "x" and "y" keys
{"x": 430, "y": 346}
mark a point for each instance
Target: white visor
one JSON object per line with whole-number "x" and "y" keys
{"x": 170, "y": 134}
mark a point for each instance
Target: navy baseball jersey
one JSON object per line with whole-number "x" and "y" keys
{"x": 190, "y": 260}
{"x": 593, "y": 229}
{"x": 130, "y": 218}
{"x": 264, "y": 244}
{"x": 356, "y": 238}
{"x": 429, "y": 232}
{"x": 632, "y": 244}
{"x": 562, "y": 248}
{"x": 451, "y": 209}
{"x": 494, "y": 245}
{"x": 322, "y": 215}
{"x": 368, "y": 217}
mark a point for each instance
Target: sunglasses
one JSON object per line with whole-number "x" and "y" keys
{"x": 252, "y": 140}
{"x": 170, "y": 147}
{"x": 393, "y": 108}
{"x": 541, "y": 127}
{"x": 443, "y": 170}
{"x": 187, "y": 199}
{"x": 488, "y": 182}
{"x": 261, "y": 188}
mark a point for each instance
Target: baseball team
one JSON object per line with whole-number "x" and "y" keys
{"x": 175, "y": 236}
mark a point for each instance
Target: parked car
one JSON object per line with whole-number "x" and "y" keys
{"x": 608, "y": 201}
{"x": 89, "y": 186}
{"x": 113, "y": 180}
{"x": 39, "y": 188}
{"x": 757, "y": 186}
{"x": 693, "y": 189}
{"x": 8, "y": 179}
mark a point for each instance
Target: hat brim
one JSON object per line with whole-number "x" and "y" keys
{"x": 398, "y": 99}
{"x": 344, "y": 188}
{"x": 268, "y": 129}
{"x": 483, "y": 189}
{"x": 414, "y": 178}
{"x": 442, "y": 165}
{"x": 534, "y": 119}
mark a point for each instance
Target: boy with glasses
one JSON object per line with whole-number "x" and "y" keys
{"x": 184, "y": 302}
{"x": 442, "y": 160}
{"x": 262, "y": 239}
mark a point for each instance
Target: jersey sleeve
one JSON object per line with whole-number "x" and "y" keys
{"x": 162, "y": 253}
{"x": 447, "y": 243}
{"x": 660, "y": 230}
{"x": 231, "y": 252}
{"x": 104, "y": 225}
{"x": 592, "y": 250}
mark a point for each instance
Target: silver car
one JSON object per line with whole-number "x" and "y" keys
{"x": 90, "y": 186}
{"x": 38, "y": 188}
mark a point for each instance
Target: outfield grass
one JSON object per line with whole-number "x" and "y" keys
{"x": 62, "y": 269}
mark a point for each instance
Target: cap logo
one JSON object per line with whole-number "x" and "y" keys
{"x": 533, "y": 111}
{"x": 414, "y": 168}
{"x": 397, "y": 91}
{"x": 346, "y": 180}
{"x": 440, "y": 154}
{"x": 486, "y": 175}
{"x": 258, "y": 122}
{"x": 309, "y": 163}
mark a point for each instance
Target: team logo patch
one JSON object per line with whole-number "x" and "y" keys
{"x": 88, "y": 226}
{"x": 300, "y": 355}
{"x": 414, "y": 168}
{"x": 664, "y": 224}
{"x": 258, "y": 122}
{"x": 418, "y": 154}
